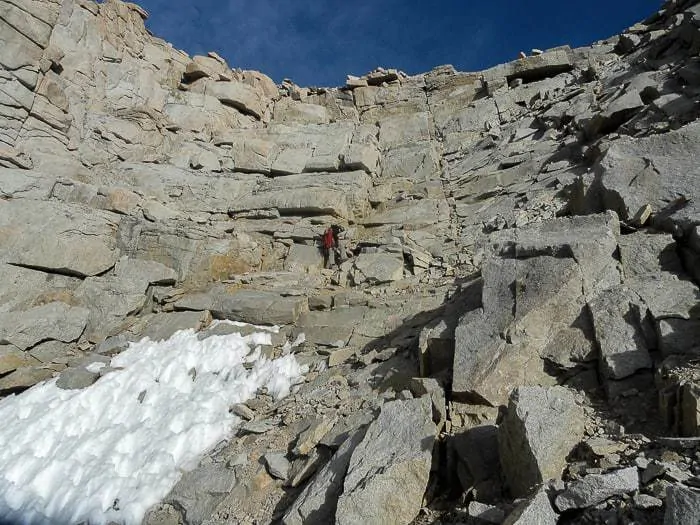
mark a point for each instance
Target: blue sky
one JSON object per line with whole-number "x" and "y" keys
{"x": 319, "y": 42}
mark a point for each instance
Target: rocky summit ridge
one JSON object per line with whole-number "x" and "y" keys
{"x": 514, "y": 335}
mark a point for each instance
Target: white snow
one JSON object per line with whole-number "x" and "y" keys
{"x": 110, "y": 451}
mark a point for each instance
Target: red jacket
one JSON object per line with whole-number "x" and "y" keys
{"x": 328, "y": 240}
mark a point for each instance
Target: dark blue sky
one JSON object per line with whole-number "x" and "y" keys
{"x": 319, "y": 42}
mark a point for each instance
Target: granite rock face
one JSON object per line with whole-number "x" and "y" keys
{"x": 523, "y": 240}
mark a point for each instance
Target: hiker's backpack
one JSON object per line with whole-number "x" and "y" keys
{"x": 328, "y": 239}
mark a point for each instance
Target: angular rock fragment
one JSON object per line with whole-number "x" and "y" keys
{"x": 388, "y": 472}
{"x": 53, "y": 321}
{"x": 539, "y": 430}
{"x": 317, "y": 503}
{"x": 617, "y": 319}
{"x": 250, "y": 306}
{"x": 595, "y": 488}
{"x": 277, "y": 465}
{"x": 536, "y": 510}
{"x": 682, "y": 506}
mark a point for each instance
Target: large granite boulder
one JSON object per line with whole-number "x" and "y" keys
{"x": 389, "y": 470}
{"x": 540, "y": 428}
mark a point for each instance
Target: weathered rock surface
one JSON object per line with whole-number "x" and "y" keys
{"x": 595, "y": 488}
{"x": 389, "y": 470}
{"x": 531, "y": 225}
{"x": 682, "y": 506}
{"x": 539, "y": 430}
{"x": 318, "y": 502}
{"x": 534, "y": 510}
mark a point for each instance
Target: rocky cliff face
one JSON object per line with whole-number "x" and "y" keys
{"x": 526, "y": 237}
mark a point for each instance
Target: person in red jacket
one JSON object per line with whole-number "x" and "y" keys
{"x": 328, "y": 243}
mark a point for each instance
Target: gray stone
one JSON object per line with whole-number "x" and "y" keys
{"x": 310, "y": 437}
{"x": 290, "y": 161}
{"x": 277, "y": 465}
{"x": 55, "y": 320}
{"x": 590, "y": 239}
{"x": 161, "y": 326}
{"x": 338, "y": 194}
{"x": 644, "y": 501}
{"x": 539, "y": 430}
{"x": 317, "y": 503}
{"x": 377, "y": 268}
{"x": 150, "y": 271}
{"x": 682, "y": 506}
{"x": 200, "y": 491}
{"x": 58, "y": 237}
{"x": 617, "y": 320}
{"x": 482, "y": 513}
{"x": 388, "y": 472}
{"x": 526, "y": 302}
{"x": 250, "y": 306}
{"x": 243, "y": 411}
{"x": 536, "y": 510}
{"x": 23, "y": 378}
{"x": 645, "y": 254}
{"x": 11, "y": 358}
{"x": 304, "y": 259}
{"x": 305, "y": 467}
{"x": 256, "y": 427}
{"x": 239, "y": 95}
{"x": 110, "y": 299}
{"x": 333, "y": 328}
{"x": 345, "y": 428}
{"x": 76, "y": 378}
{"x": 655, "y": 170}
{"x": 595, "y": 488}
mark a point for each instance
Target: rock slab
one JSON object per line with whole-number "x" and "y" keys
{"x": 388, "y": 472}
{"x": 540, "y": 428}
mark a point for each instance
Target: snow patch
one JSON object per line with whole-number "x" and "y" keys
{"x": 109, "y": 452}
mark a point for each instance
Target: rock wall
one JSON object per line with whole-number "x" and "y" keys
{"x": 533, "y": 225}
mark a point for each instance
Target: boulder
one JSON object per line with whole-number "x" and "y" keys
{"x": 23, "y": 378}
{"x": 12, "y": 358}
{"x": 57, "y": 237}
{"x": 56, "y": 321}
{"x": 277, "y": 465}
{"x": 617, "y": 316}
{"x": 200, "y": 491}
{"x": 110, "y": 300}
{"x": 377, "y": 268}
{"x": 596, "y": 488}
{"x": 287, "y": 110}
{"x": 388, "y": 472}
{"x": 540, "y": 428}
{"x": 341, "y": 195}
{"x": 525, "y": 304}
{"x": 249, "y": 306}
{"x": 682, "y": 506}
{"x": 332, "y": 328}
{"x": 163, "y": 325}
{"x": 309, "y": 438}
{"x": 592, "y": 240}
{"x": 479, "y": 466}
{"x": 317, "y": 503}
{"x": 535, "y": 510}
{"x": 76, "y": 378}
{"x": 304, "y": 259}
{"x": 238, "y": 95}
{"x": 656, "y": 171}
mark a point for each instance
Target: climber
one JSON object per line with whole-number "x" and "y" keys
{"x": 338, "y": 244}
{"x": 328, "y": 243}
